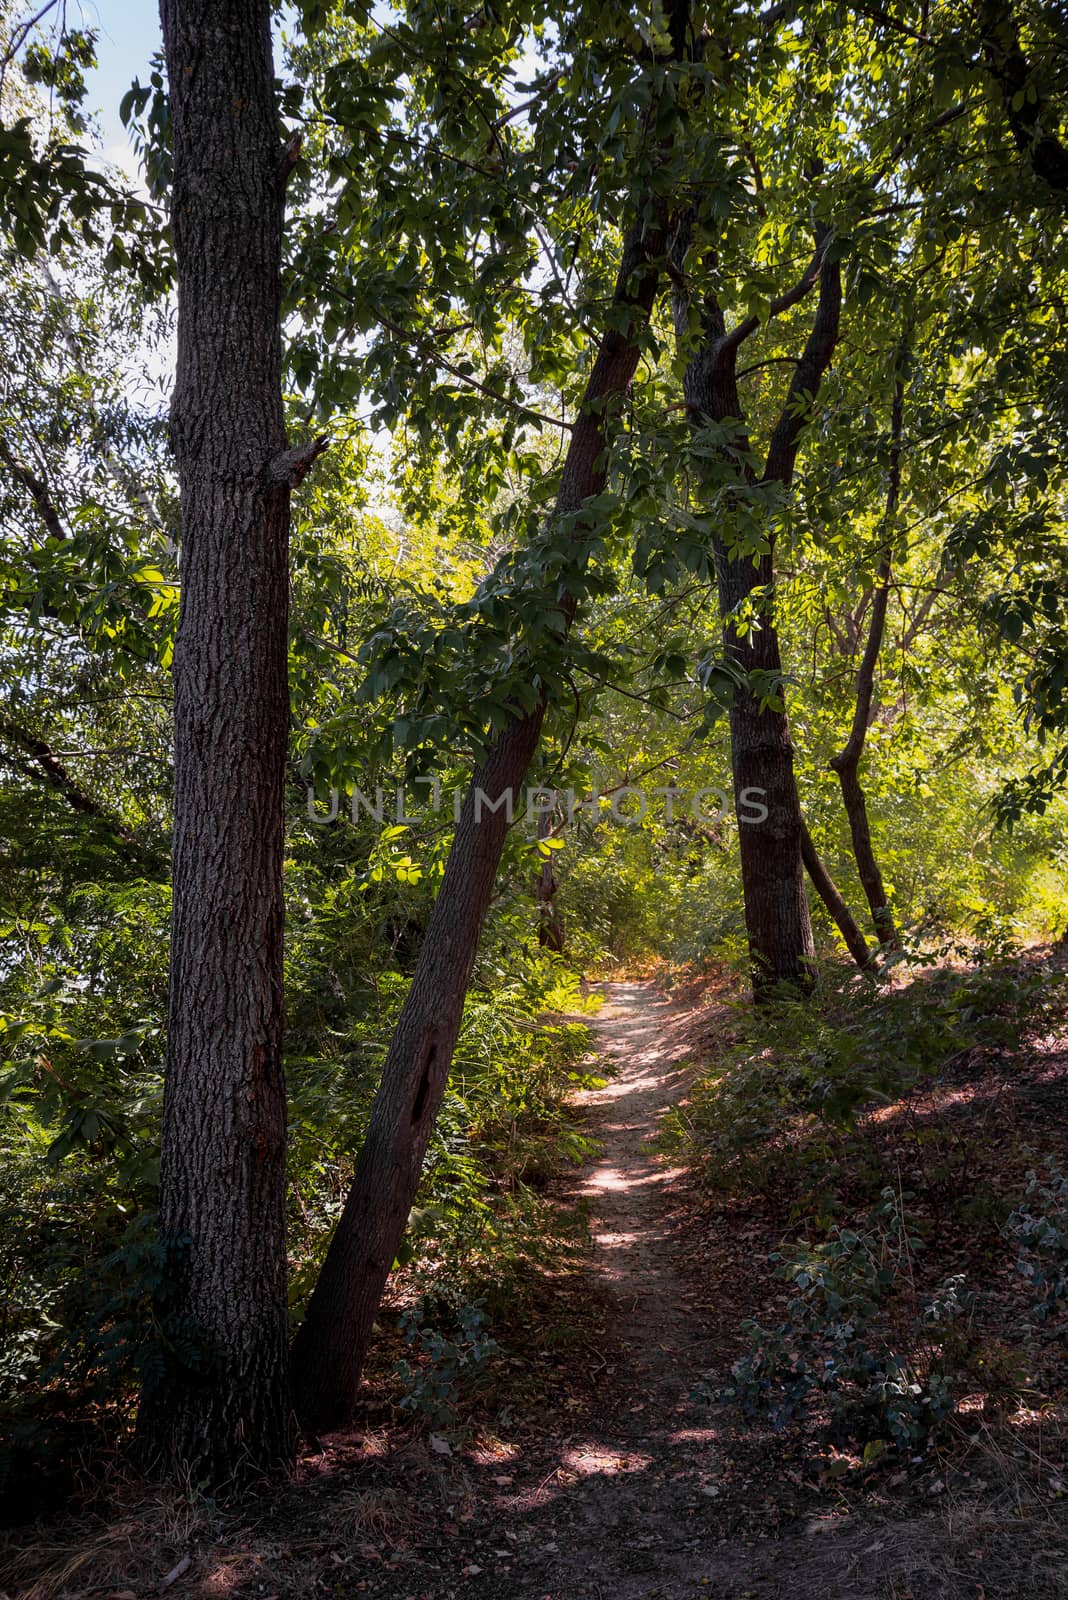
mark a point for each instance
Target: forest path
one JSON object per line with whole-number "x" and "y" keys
{"x": 616, "y": 1484}
{"x": 627, "y": 1511}
{"x": 651, "y": 1493}
{"x": 634, "y": 1198}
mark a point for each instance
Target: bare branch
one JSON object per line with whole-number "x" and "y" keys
{"x": 36, "y": 488}
{"x": 808, "y": 375}
{"x": 467, "y": 378}
{"x": 293, "y": 466}
{"x": 23, "y": 30}
{"x": 290, "y": 156}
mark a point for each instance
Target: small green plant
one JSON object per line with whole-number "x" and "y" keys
{"x": 1040, "y": 1228}
{"x": 858, "y": 1336}
{"x": 445, "y": 1363}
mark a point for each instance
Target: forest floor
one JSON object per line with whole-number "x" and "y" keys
{"x": 603, "y": 1475}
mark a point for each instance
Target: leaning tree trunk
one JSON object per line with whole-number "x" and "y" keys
{"x": 868, "y": 870}
{"x": 332, "y": 1342}
{"x": 833, "y": 899}
{"x": 219, "y": 1408}
{"x": 847, "y": 762}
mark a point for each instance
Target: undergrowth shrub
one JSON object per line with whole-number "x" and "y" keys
{"x": 1039, "y": 1226}
{"x": 805, "y": 1116}
{"x": 447, "y": 1364}
{"x": 860, "y": 1338}
{"x": 786, "y": 1114}
{"x": 83, "y": 1285}
{"x": 479, "y": 1221}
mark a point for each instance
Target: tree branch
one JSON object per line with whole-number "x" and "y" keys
{"x": 36, "y": 488}
{"x": 772, "y": 361}
{"x": 749, "y": 325}
{"x": 833, "y": 899}
{"x": 292, "y": 466}
{"x": 849, "y": 757}
{"x": 46, "y": 764}
{"x": 815, "y": 359}
{"x": 919, "y": 617}
{"x": 1026, "y": 111}
{"x": 466, "y": 378}
{"x": 847, "y": 763}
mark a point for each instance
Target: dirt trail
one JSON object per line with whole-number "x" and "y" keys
{"x": 634, "y": 1201}
{"x": 648, "y": 1496}
{"x": 631, "y": 1502}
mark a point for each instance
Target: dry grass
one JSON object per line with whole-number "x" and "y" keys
{"x": 285, "y": 1542}
{"x": 377, "y": 1514}
{"x": 134, "y": 1552}
{"x": 998, "y": 1531}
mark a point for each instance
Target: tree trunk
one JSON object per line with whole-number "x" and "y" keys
{"x": 847, "y": 762}
{"x": 550, "y": 925}
{"x": 777, "y": 921}
{"x": 831, "y": 896}
{"x": 226, "y": 1415}
{"x": 777, "y": 918}
{"x": 332, "y": 1343}
{"x": 867, "y": 866}
{"x": 1031, "y": 120}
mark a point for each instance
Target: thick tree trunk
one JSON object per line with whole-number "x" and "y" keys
{"x": 228, "y": 1416}
{"x": 831, "y": 896}
{"x": 332, "y": 1343}
{"x": 777, "y": 918}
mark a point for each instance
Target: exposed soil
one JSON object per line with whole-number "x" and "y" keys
{"x": 608, "y": 1478}
{"x": 624, "y": 1483}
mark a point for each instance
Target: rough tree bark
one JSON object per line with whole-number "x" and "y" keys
{"x": 332, "y": 1342}
{"x": 847, "y": 762}
{"x": 777, "y": 918}
{"x": 222, "y": 1180}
